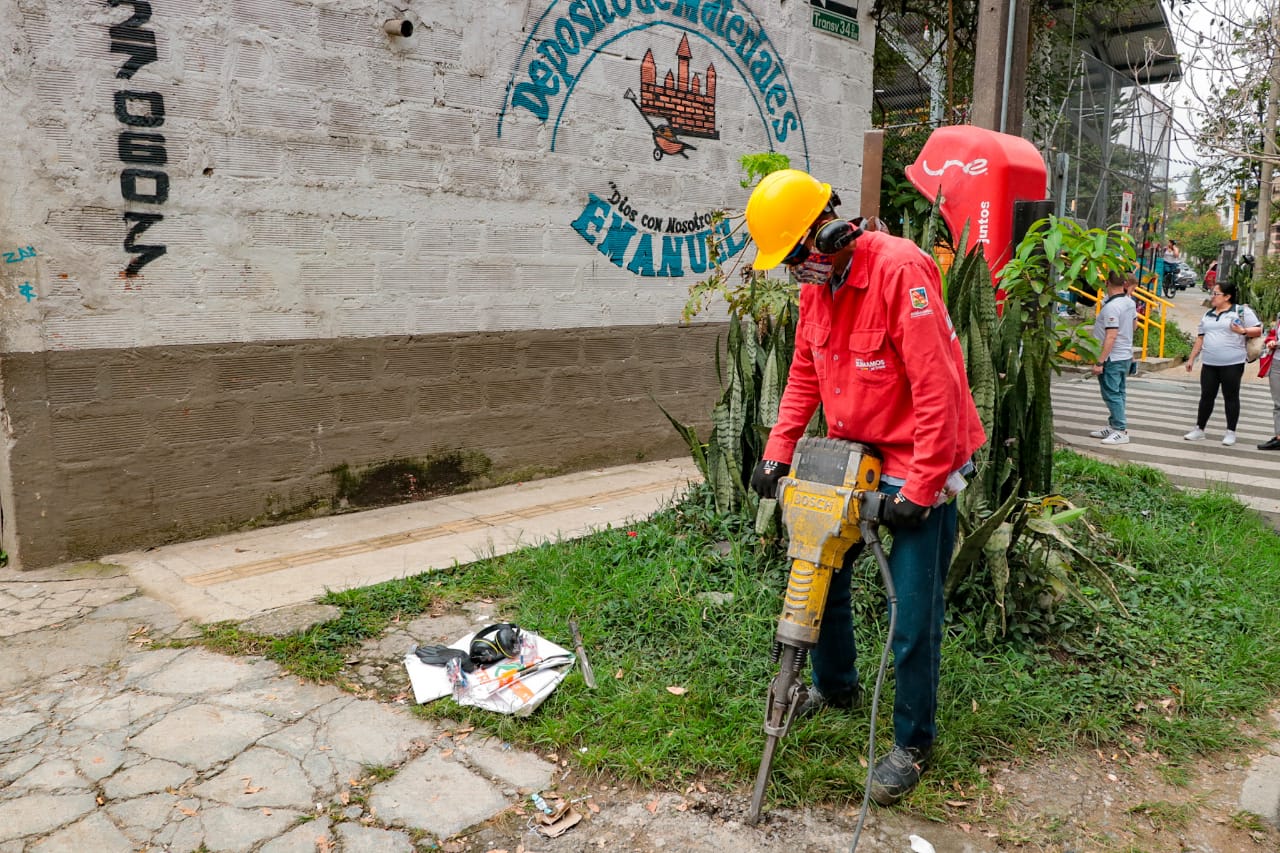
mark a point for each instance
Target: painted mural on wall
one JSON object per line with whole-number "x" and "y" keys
{"x": 673, "y": 101}
{"x": 140, "y": 148}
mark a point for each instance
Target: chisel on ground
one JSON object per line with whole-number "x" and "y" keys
{"x": 587, "y": 675}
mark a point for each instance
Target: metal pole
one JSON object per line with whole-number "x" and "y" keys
{"x": 1008, "y": 66}
{"x": 1269, "y": 154}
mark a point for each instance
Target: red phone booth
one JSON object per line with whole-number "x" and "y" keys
{"x": 981, "y": 174}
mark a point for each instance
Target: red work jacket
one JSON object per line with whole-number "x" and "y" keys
{"x": 883, "y": 359}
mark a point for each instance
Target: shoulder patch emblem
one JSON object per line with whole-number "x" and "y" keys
{"x": 919, "y": 298}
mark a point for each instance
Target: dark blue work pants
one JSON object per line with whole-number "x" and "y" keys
{"x": 918, "y": 563}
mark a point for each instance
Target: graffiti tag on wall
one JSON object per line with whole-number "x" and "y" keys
{"x": 677, "y": 105}
{"x": 142, "y": 151}
{"x": 19, "y": 255}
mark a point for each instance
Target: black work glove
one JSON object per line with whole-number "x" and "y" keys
{"x": 441, "y": 655}
{"x": 764, "y": 480}
{"x": 902, "y": 514}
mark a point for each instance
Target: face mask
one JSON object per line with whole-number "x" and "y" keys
{"x": 814, "y": 269}
{"x": 797, "y": 255}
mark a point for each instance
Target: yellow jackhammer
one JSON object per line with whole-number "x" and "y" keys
{"x": 829, "y": 503}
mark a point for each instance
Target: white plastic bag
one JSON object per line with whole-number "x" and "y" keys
{"x": 515, "y": 686}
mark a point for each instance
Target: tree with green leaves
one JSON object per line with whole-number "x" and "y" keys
{"x": 1200, "y": 235}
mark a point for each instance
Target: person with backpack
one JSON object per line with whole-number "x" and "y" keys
{"x": 1211, "y": 277}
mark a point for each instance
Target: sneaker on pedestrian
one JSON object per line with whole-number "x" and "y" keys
{"x": 1101, "y": 433}
{"x": 1118, "y": 437}
{"x": 897, "y": 773}
{"x": 817, "y": 701}
{"x": 1229, "y": 437}
{"x": 1272, "y": 443}
{"x": 1196, "y": 434}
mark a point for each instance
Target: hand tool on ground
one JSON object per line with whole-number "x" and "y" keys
{"x": 587, "y": 675}
{"x": 829, "y": 503}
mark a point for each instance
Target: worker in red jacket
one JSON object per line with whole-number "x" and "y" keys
{"x": 875, "y": 346}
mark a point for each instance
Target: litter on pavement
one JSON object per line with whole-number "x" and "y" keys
{"x": 515, "y": 685}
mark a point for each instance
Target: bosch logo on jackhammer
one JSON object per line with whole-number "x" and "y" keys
{"x": 815, "y": 502}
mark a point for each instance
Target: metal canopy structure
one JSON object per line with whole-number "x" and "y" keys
{"x": 1137, "y": 44}
{"x": 1108, "y": 151}
{"x": 1113, "y": 141}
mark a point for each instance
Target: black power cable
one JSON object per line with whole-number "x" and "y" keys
{"x": 872, "y": 504}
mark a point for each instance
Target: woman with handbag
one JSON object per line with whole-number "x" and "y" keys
{"x": 1273, "y": 379}
{"x": 1221, "y": 337}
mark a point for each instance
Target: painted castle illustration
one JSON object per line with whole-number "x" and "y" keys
{"x": 680, "y": 100}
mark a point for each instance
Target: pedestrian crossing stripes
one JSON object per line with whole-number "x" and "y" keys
{"x": 1159, "y": 412}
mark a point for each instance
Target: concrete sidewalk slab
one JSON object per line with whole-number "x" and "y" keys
{"x": 239, "y": 575}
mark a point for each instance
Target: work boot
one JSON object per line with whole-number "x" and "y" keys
{"x": 817, "y": 701}
{"x": 897, "y": 773}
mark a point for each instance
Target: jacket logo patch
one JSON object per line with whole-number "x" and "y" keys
{"x": 870, "y": 364}
{"x": 919, "y": 299}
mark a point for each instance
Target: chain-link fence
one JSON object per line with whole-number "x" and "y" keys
{"x": 1109, "y": 151}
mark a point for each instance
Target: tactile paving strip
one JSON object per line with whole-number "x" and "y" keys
{"x": 406, "y": 537}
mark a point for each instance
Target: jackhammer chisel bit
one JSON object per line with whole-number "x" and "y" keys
{"x": 821, "y": 510}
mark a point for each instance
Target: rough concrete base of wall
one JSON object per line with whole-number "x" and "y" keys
{"x": 113, "y": 450}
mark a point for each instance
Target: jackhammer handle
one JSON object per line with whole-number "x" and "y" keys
{"x": 870, "y": 510}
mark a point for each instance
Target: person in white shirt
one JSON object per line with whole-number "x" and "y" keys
{"x": 1114, "y": 329}
{"x": 1220, "y": 344}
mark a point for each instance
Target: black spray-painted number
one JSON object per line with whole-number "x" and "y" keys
{"x": 136, "y": 148}
{"x": 130, "y": 39}
{"x": 151, "y": 102}
{"x": 142, "y": 149}
{"x": 146, "y": 254}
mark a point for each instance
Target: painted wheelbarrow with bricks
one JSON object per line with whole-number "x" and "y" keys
{"x": 665, "y": 138}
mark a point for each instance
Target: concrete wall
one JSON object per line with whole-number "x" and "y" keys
{"x": 282, "y": 192}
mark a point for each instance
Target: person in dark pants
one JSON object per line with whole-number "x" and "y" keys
{"x": 876, "y": 347}
{"x": 1172, "y": 264}
{"x": 1220, "y": 344}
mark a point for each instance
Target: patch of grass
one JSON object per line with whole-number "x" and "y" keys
{"x": 1248, "y": 821}
{"x": 1174, "y": 774}
{"x": 1177, "y": 343}
{"x": 1165, "y": 816}
{"x": 690, "y": 599}
{"x": 318, "y": 652}
{"x": 379, "y": 773}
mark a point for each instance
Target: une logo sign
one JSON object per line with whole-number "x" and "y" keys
{"x": 973, "y": 167}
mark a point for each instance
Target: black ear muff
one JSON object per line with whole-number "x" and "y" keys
{"x": 495, "y": 643}
{"x": 835, "y": 235}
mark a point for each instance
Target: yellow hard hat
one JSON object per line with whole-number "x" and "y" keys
{"x": 781, "y": 208}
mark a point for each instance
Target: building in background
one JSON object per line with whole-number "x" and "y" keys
{"x": 265, "y": 258}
